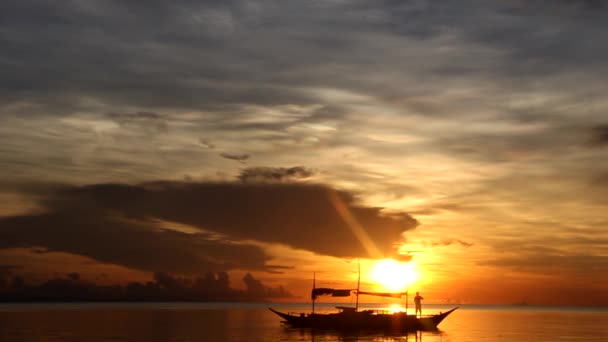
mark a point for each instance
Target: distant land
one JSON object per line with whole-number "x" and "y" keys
{"x": 164, "y": 287}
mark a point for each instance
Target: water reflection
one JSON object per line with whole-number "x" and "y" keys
{"x": 199, "y": 322}
{"x": 297, "y": 334}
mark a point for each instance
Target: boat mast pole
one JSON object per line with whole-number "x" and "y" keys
{"x": 358, "y": 284}
{"x": 313, "y": 291}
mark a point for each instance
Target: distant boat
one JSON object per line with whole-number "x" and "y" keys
{"x": 351, "y": 319}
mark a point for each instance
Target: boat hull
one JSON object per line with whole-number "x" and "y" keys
{"x": 364, "y": 321}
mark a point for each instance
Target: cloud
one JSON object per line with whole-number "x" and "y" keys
{"x": 167, "y": 55}
{"x": 466, "y": 62}
{"x": 206, "y": 143}
{"x": 448, "y": 242}
{"x": 278, "y": 269}
{"x": 600, "y": 179}
{"x": 274, "y": 174}
{"x": 138, "y": 244}
{"x": 573, "y": 265}
{"x": 155, "y": 123}
{"x": 599, "y": 136}
{"x": 257, "y": 289}
{"x": 403, "y": 257}
{"x": 102, "y": 221}
{"x": 235, "y": 156}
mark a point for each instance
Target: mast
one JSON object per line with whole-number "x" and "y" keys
{"x": 358, "y": 284}
{"x": 313, "y": 289}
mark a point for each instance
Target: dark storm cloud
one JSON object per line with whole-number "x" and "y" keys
{"x": 81, "y": 220}
{"x": 274, "y": 174}
{"x": 136, "y": 244}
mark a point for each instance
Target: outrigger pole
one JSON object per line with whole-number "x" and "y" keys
{"x": 313, "y": 291}
{"x": 358, "y": 284}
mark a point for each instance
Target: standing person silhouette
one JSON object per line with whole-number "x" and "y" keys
{"x": 417, "y": 300}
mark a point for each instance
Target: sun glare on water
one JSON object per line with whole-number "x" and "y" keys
{"x": 392, "y": 275}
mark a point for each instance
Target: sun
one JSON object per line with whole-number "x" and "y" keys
{"x": 392, "y": 275}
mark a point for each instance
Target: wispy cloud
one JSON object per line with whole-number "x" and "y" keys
{"x": 235, "y": 156}
{"x": 274, "y": 174}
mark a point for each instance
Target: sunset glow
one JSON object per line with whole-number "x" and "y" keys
{"x": 232, "y": 149}
{"x": 392, "y": 275}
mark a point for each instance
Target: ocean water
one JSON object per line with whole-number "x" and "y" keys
{"x": 253, "y": 322}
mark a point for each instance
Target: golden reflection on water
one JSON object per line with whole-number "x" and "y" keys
{"x": 190, "y": 322}
{"x": 307, "y": 335}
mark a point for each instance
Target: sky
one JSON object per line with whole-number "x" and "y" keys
{"x": 467, "y": 139}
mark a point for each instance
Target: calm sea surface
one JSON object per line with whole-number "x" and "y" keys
{"x": 253, "y": 322}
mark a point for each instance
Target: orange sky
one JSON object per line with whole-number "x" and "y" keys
{"x": 282, "y": 139}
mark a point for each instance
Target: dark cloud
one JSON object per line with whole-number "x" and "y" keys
{"x": 599, "y": 136}
{"x": 601, "y": 180}
{"x": 139, "y": 244}
{"x": 235, "y": 156}
{"x": 587, "y": 4}
{"x": 274, "y": 174}
{"x": 124, "y": 53}
{"x": 190, "y": 54}
{"x": 206, "y": 143}
{"x": 103, "y": 220}
{"x": 278, "y": 269}
{"x": 403, "y": 257}
{"x": 535, "y": 36}
{"x": 448, "y": 242}
{"x": 134, "y": 116}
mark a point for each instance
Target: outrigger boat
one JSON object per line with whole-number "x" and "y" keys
{"x": 351, "y": 319}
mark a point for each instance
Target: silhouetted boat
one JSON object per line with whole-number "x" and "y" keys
{"x": 351, "y": 319}
{"x": 366, "y": 320}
